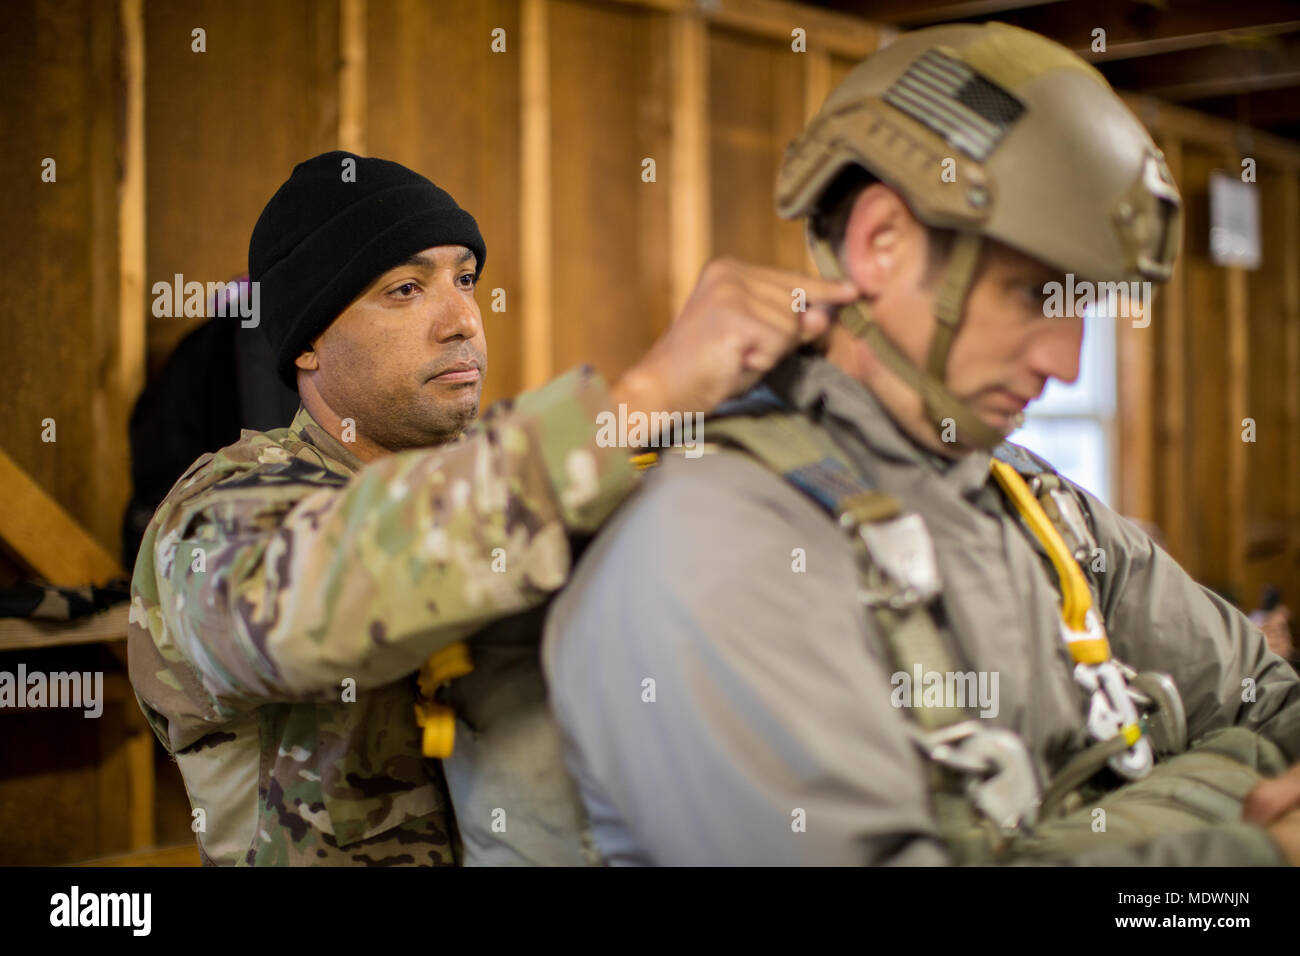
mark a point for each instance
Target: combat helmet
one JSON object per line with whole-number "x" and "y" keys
{"x": 1041, "y": 155}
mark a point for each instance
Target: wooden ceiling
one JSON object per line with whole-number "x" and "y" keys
{"x": 1239, "y": 59}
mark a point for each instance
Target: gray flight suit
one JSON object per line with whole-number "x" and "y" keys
{"x": 724, "y": 699}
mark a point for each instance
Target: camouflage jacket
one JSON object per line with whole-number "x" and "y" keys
{"x": 285, "y": 593}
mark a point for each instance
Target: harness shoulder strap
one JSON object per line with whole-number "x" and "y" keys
{"x": 981, "y": 782}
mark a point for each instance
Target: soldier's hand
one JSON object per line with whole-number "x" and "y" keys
{"x": 1286, "y": 834}
{"x": 738, "y": 323}
{"x": 1269, "y": 800}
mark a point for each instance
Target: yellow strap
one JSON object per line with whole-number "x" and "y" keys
{"x": 437, "y": 720}
{"x": 1076, "y": 599}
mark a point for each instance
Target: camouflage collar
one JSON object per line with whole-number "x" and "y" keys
{"x": 307, "y": 430}
{"x": 810, "y": 383}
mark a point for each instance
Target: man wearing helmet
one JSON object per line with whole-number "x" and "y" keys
{"x": 867, "y": 629}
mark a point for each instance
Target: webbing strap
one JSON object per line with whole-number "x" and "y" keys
{"x": 950, "y": 299}
{"x": 806, "y": 456}
{"x": 940, "y": 404}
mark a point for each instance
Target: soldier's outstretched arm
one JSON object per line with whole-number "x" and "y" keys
{"x": 425, "y": 547}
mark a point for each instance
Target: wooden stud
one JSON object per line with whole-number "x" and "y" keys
{"x": 690, "y": 199}
{"x": 1238, "y": 398}
{"x": 352, "y": 76}
{"x": 535, "y": 194}
{"x": 132, "y": 324}
{"x": 840, "y": 33}
{"x": 1171, "y": 440}
{"x": 1291, "y": 276}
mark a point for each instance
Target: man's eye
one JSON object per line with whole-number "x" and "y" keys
{"x": 406, "y": 289}
{"x": 467, "y": 280}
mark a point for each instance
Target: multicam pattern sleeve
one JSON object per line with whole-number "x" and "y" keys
{"x": 271, "y": 574}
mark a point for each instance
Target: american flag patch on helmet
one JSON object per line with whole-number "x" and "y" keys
{"x": 966, "y": 109}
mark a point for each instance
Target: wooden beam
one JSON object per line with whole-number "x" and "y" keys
{"x": 132, "y": 321}
{"x": 352, "y": 76}
{"x": 535, "y": 194}
{"x": 1238, "y": 397}
{"x": 44, "y": 537}
{"x": 912, "y": 14}
{"x": 185, "y": 855}
{"x": 1171, "y": 440}
{"x": 1290, "y": 260}
{"x": 1132, "y": 469}
{"x": 1193, "y": 127}
{"x": 690, "y": 199}
{"x": 1143, "y": 29}
{"x": 1210, "y": 71}
{"x": 840, "y": 33}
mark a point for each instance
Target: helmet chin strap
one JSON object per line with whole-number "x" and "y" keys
{"x": 941, "y": 406}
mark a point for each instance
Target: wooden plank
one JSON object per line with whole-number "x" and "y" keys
{"x": 326, "y": 32}
{"x": 472, "y": 151}
{"x": 17, "y": 633}
{"x": 113, "y": 776}
{"x": 835, "y": 32}
{"x": 535, "y": 194}
{"x": 1291, "y": 276}
{"x": 1135, "y": 429}
{"x": 185, "y": 855}
{"x": 756, "y": 107}
{"x": 1200, "y": 517}
{"x": 140, "y": 775}
{"x": 612, "y": 93}
{"x": 692, "y": 241}
{"x": 133, "y": 330}
{"x": 352, "y": 76}
{"x": 1238, "y": 451}
{"x": 1171, "y": 440}
{"x": 1194, "y": 127}
{"x": 44, "y": 537}
{"x": 224, "y": 130}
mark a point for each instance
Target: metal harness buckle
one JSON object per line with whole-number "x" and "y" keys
{"x": 1003, "y": 785}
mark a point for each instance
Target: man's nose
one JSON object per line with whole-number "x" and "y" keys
{"x": 457, "y": 317}
{"x": 1054, "y": 353}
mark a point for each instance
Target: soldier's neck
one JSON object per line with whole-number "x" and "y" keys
{"x": 344, "y": 432}
{"x": 855, "y": 358}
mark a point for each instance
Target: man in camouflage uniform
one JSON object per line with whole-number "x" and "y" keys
{"x": 732, "y": 663}
{"x": 290, "y": 585}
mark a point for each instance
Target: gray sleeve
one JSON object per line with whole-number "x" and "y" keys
{"x": 770, "y": 738}
{"x": 1158, "y": 618}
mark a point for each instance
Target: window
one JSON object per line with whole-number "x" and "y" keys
{"x": 1071, "y": 425}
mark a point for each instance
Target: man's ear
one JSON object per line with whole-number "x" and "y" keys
{"x": 307, "y": 361}
{"x": 873, "y": 237}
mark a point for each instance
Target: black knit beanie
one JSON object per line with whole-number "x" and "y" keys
{"x": 323, "y": 238}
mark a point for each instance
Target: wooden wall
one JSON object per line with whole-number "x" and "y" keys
{"x": 1223, "y": 346}
{"x": 166, "y": 156}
